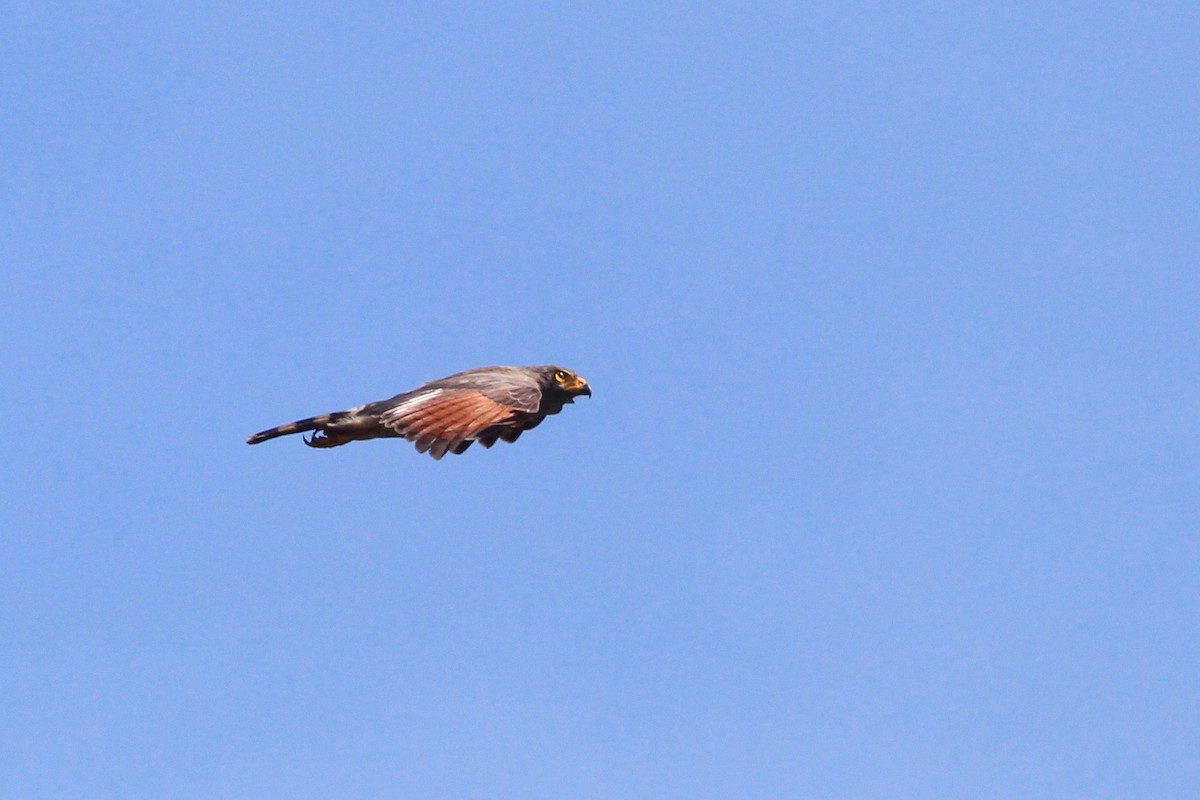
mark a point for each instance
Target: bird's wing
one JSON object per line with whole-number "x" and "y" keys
{"x": 441, "y": 419}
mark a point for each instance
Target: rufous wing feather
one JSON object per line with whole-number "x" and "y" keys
{"x": 443, "y": 420}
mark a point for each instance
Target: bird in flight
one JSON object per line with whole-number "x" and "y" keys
{"x": 450, "y": 414}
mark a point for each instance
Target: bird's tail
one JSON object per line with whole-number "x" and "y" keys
{"x": 299, "y": 426}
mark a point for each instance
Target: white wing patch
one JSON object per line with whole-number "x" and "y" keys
{"x": 398, "y": 410}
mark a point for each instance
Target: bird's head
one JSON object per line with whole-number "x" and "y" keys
{"x": 564, "y": 382}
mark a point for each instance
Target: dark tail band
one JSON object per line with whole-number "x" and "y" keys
{"x": 299, "y": 426}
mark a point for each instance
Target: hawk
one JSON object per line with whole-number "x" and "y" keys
{"x": 450, "y": 414}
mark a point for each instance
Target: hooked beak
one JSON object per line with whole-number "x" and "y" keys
{"x": 578, "y": 386}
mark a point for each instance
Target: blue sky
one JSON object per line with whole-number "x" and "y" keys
{"x": 888, "y": 487}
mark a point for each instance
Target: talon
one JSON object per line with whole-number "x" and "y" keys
{"x": 324, "y": 439}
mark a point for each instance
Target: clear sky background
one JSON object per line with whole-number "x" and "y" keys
{"x": 890, "y": 486}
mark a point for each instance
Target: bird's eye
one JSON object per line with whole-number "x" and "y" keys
{"x": 560, "y": 376}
